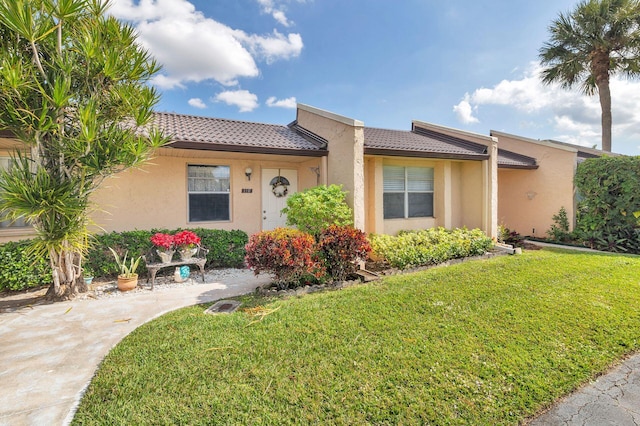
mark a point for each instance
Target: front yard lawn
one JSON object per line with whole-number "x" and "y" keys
{"x": 483, "y": 342}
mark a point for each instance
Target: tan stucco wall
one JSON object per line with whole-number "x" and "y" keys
{"x": 155, "y": 196}
{"x": 345, "y": 162}
{"x": 527, "y": 199}
{"x": 457, "y": 195}
{"x": 487, "y": 220}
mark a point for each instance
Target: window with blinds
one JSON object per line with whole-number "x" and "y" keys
{"x": 209, "y": 188}
{"x": 408, "y": 192}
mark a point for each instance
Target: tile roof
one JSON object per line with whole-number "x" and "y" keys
{"x": 420, "y": 143}
{"x": 512, "y": 160}
{"x": 216, "y": 134}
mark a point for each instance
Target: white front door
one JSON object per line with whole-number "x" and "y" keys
{"x": 271, "y": 204}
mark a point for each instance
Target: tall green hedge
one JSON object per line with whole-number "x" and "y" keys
{"x": 19, "y": 271}
{"x": 226, "y": 248}
{"x": 609, "y": 190}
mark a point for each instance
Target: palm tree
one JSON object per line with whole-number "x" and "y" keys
{"x": 74, "y": 89}
{"x": 597, "y": 39}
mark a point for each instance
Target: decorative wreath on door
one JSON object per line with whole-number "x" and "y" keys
{"x": 279, "y": 186}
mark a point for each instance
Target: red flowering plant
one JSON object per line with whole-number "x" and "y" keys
{"x": 287, "y": 254}
{"x": 341, "y": 248}
{"x": 164, "y": 242}
{"x": 186, "y": 240}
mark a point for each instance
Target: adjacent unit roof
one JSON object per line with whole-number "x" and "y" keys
{"x": 511, "y": 160}
{"x": 420, "y": 143}
{"x": 216, "y": 134}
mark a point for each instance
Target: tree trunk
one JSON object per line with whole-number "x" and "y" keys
{"x": 600, "y": 69}
{"x": 65, "y": 269}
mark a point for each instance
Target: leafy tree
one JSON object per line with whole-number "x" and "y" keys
{"x": 316, "y": 208}
{"x": 597, "y": 39}
{"x": 73, "y": 86}
{"x": 610, "y": 196}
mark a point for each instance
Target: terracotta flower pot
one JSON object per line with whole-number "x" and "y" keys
{"x": 127, "y": 283}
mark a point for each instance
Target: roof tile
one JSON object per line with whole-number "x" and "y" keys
{"x": 421, "y": 141}
{"x": 222, "y": 132}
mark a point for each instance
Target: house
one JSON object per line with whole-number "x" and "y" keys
{"x": 530, "y": 194}
{"x": 221, "y": 174}
{"x": 230, "y": 174}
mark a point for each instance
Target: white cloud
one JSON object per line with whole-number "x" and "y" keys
{"x": 197, "y": 103}
{"x": 277, "y": 12}
{"x": 273, "y": 47}
{"x": 464, "y": 111}
{"x": 243, "y": 99}
{"x": 290, "y": 103}
{"x": 194, "y": 48}
{"x": 279, "y": 16}
{"x": 575, "y": 116}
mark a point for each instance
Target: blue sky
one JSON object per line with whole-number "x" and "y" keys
{"x": 460, "y": 63}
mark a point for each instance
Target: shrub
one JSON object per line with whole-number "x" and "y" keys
{"x": 559, "y": 231}
{"x": 287, "y": 254}
{"x": 20, "y": 270}
{"x": 226, "y": 248}
{"x": 609, "y": 189}
{"x": 429, "y": 247}
{"x": 507, "y": 236}
{"x": 340, "y": 247}
{"x": 317, "y": 208}
{"x": 100, "y": 259}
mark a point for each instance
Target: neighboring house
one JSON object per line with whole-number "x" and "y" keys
{"x": 230, "y": 174}
{"x": 529, "y": 195}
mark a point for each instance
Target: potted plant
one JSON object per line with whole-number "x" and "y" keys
{"x": 164, "y": 244}
{"x": 128, "y": 278}
{"x": 187, "y": 243}
{"x": 87, "y": 275}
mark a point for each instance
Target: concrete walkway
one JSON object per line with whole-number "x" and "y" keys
{"x": 613, "y": 399}
{"x": 49, "y": 353}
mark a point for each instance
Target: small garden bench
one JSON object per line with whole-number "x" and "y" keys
{"x": 153, "y": 263}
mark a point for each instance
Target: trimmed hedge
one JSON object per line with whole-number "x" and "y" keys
{"x": 429, "y": 246}
{"x": 19, "y": 271}
{"x": 226, "y": 248}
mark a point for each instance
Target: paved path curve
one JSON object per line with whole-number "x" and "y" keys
{"x": 613, "y": 399}
{"x": 49, "y": 353}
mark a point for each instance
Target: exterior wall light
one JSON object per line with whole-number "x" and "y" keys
{"x": 247, "y": 173}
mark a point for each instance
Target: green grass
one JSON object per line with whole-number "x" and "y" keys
{"x": 484, "y": 342}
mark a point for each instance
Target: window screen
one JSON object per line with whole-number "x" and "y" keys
{"x": 408, "y": 192}
{"x": 209, "y": 188}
